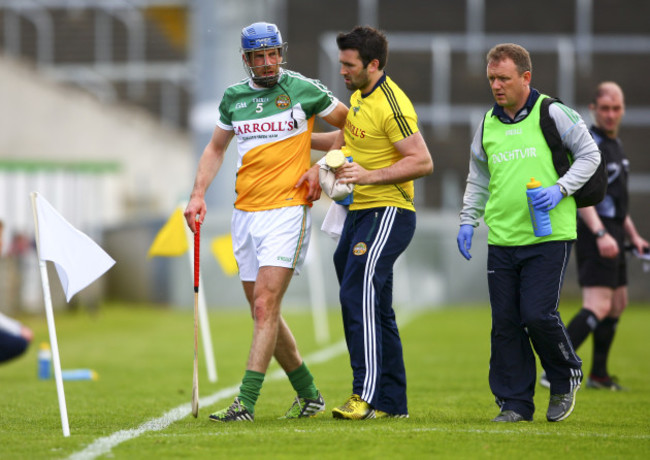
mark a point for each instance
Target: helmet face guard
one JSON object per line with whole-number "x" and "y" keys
{"x": 262, "y": 36}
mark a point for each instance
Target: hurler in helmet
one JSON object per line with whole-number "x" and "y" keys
{"x": 271, "y": 114}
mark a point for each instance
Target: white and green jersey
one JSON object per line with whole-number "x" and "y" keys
{"x": 273, "y": 128}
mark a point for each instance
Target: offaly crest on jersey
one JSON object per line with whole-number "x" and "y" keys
{"x": 282, "y": 101}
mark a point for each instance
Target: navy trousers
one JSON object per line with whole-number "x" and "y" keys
{"x": 524, "y": 284}
{"x": 372, "y": 240}
{"x": 11, "y": 346}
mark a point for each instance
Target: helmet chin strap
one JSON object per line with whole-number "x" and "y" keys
{"x": 266, "y": 82}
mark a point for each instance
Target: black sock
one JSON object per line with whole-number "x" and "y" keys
{"x": 583, "y": 323}
{"x": 603, "y": 338}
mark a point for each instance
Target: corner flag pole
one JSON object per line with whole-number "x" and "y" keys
{"x": 317, "y": 292}
{"x": 206, "y": 337}
{"x": 49, "y": 313}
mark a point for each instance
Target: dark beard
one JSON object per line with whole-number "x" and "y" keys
{"x": 266, "y": 82}
{"x": 363, "y": 84}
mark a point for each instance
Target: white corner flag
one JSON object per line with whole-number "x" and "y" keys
{"x": 78, "y": 259}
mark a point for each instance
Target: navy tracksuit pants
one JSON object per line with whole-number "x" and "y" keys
{"x": 11, "y": 346}
{"x": 524, "y": 284}
{"x": 371, "y": 241}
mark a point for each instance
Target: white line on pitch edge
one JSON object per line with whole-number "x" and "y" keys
{"x": 104, "y": 445}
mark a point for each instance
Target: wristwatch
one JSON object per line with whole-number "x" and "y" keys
{"x": 563, "y": 190}
{"x": 600, "y": 233}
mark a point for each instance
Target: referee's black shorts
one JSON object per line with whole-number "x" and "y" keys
{"x": 594, "y": 270}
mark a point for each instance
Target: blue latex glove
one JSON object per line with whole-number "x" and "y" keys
{"x": 547, "y": 198}
{"x": 464, "y": 240}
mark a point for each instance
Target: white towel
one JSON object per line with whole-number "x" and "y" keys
{"x": 330, "y": 185}
{"x": 334, "y": 220}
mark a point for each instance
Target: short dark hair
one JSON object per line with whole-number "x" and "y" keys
{"x": 368, "y": 41}
{"x": 606, "y": 87}
{"x": 517, "y": 53}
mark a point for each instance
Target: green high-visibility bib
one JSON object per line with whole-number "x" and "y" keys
{"x": 516, "y": 152}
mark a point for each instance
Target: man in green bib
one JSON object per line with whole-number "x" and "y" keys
{"x": 525, "y": 271}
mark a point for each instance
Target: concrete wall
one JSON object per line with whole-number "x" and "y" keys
{"x": 42, "y": 120}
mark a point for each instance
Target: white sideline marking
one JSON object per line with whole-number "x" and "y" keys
{"x": 383, "y": 427}
{"x": 104, "y": 445}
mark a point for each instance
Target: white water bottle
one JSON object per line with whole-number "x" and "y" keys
{"x": 44, "y": 361}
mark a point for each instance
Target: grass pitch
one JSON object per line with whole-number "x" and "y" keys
{"x": 144, "y": 359}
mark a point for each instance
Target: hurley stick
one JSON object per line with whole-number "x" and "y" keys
{"x": 195, "y": 378}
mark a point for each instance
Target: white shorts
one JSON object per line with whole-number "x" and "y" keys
{"x": 277, "y": 237}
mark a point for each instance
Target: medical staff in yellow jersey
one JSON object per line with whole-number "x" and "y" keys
{"x": 388, "y": 152}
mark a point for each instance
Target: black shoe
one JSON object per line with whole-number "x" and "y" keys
{"x": 561, "y": 406}
{"x": 510, "y": 416}
{"x": 604, "y": 383}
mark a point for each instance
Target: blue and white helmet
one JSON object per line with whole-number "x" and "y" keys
{"x": 261, "y": 36}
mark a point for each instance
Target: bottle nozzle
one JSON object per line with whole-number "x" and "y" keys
{"x": 534, "y": 183}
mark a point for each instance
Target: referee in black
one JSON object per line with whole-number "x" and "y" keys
{"x": 600, "y": 249}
